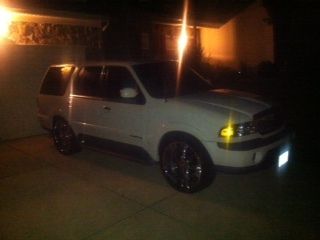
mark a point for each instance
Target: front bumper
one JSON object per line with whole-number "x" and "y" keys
{"x": 249, "y": 154}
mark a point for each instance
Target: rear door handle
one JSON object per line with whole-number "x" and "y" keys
{"x": 106, "y": 108}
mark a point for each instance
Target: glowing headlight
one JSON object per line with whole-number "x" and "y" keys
{"x": 238, "y": 130}
{"x": 227, "y": 131}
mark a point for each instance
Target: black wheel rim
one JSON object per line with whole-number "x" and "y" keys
{"x": 63, "y": 136}
{"x": 181, "y": 164}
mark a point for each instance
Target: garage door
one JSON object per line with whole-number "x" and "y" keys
{"x": 21, "y": 71}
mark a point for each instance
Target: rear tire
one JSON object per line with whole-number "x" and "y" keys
{"x": 186, "y": 164}
{"x": 64, "y": 138}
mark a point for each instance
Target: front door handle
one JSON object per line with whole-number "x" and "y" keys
{"x": 106, "y": 108}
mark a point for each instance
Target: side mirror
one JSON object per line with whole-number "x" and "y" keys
{"x": 128, "y": 93}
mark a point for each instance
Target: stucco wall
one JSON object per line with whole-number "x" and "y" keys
{"x": 255, "y": 36}
{"x": 247, "y": 39}
{"x": 21, "y": 71}
{"x": 219, "y": 45}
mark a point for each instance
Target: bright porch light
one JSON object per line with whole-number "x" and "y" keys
{"x": 182, "y": 43}
{"x": 183, "y": 38}
{"x": 5, "y": 21}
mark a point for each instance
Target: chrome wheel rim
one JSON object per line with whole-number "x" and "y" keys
{"x": 63, "y": 136}
{"x": 182, "y": 166}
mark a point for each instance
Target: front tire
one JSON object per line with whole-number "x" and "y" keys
{"x": 64, "y": 138}
{"x": 186, "y": 164}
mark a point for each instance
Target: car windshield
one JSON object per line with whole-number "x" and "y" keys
{"x": 160, "y": 80}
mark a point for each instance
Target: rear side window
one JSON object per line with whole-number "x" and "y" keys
{"x": 88, "y": 82}
{"x": 56, "y": 80}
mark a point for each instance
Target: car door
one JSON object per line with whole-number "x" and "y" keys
{"x": 84, "y": 93}
{"x": 112, "y": 117}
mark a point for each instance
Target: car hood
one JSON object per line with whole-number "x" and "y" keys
{"x": 237, "y": 101}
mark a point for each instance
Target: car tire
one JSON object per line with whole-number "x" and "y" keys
{"x": 186, "y": 164}
{"x": 64, "y": 138}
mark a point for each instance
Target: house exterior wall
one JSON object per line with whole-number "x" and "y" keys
{"x": 21, "y": 72}
{"x": 219, "y": 45}
{"x": 151, "y": 40}
{"x": 244, "y": 41}
{"x": 35, "y": 41}
{"x": 255, "y": 36}
{"x": 32, "y": 33}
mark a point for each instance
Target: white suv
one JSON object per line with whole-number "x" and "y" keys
{"x": 140, "y": 107}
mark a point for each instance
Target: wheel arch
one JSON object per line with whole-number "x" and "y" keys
{"x": 207, "y": 165}
{"x": 177, "y": 134}
{"x": 56, "y": 118}
{"x": 73, "y": 144}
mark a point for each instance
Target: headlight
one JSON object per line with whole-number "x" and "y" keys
{"x": 238, "y": 130}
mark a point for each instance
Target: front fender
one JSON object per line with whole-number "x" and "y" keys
{"x": 153, "y": 140}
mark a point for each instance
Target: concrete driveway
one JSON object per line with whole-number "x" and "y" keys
{"x": 94, "y": 195}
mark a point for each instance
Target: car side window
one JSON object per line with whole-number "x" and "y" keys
{"x": 88, "y": 82}
{"x": 56, "y": 80}
{"x": 116, "y": 79}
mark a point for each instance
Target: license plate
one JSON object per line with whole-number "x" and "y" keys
{"x": 283, "y": 158}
